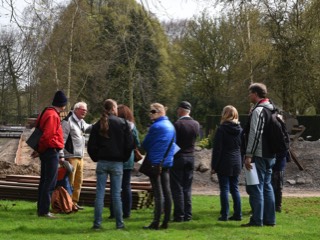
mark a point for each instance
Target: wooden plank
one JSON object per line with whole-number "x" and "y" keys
{"x": 86, "y": 182}
{"x": 29, "y": 191}
{"x": 295, "y": 159}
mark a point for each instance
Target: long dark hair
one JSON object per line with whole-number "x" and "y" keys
{"x": 125, "y": 112}
{"x": 104, "y": 120}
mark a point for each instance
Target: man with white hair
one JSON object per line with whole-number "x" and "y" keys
{"x": 74, "y": 129}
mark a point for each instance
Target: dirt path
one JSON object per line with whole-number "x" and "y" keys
{"x": 307, "y": 152}
{"x": 287, "y": 192}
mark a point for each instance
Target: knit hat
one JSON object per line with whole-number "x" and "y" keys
{"x": 59, "y": 99}
{"x": 185, "y": 105}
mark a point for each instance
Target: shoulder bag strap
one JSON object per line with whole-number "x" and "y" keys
{"x": 38, "y": 123}
{"x": 166, "y": 154}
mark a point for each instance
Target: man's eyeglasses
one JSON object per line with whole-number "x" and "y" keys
{"x": 153, "y": 111}
{"x": 84, "y": 110}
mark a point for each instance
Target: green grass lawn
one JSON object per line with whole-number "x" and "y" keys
{"x": 300, "y": 219}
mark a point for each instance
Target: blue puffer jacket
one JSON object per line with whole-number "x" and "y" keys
{"x": 157, "y": 141}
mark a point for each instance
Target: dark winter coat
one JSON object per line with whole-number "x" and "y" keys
{"x": 226, "y": 153}
{"x": 114, "y": 147}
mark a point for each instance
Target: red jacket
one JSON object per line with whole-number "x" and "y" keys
{"x": 50, "y": 125}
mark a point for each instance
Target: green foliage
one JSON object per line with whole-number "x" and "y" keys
{"x": 298, "y": 220}
{"x": 208, "y": 141}
{"x": 204, "y": 143}
{"x": 118, "y": 51}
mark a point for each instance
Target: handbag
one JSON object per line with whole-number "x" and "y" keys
{"x": 137, "y": 155}
{"x": 153, "y": 170}
{"x": 34, "y": 138}
{"x": 150, "y": 170}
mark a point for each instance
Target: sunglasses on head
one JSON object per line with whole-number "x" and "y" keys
{"x": 153, "y": 111}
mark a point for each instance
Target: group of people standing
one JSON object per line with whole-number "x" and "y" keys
{"x": 232, "y": 146}
{"x": 110, "y": 140}
{"x": 114, "y": 136}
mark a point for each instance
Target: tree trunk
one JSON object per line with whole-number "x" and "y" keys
{"x": 70, "y": 56}
{"x": 14, "y": 84}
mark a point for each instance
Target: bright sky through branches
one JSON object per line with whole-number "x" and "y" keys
{"x": 174, "y": 9}
{"x": 164, "y": 10}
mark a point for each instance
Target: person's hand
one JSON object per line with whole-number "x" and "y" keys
{"x": 61, "y": 160}
{"x": 247, "y": 163}
{"x": 34, "y": 154}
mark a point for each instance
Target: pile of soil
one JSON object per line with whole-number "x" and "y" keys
{"x": 15, "y": 159}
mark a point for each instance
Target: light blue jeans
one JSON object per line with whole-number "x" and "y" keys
{"x": 115, "y": 170}
{"x": 261, "y": 196}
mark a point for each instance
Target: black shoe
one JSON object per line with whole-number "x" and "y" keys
{"x": 269, "y": 224}
{"x": 249, "y": 225}
{"x": 278, "y": 209}
{"x": 222, "y": 219}
{"x": 152, "y": 226}
{"x": 121, "y": 227}
{"x": 79, "y": 207}
{"x": 233, "y": 218}
{"x": 164, "y": 225}
{"x": 96, "y": 228}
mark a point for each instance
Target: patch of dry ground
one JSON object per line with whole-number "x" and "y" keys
{"x": 302, "y": 183}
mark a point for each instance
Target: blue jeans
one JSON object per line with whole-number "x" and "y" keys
{"x": 126, "y": 194}
{"x": 229, "y": 184}
{"x": 181, "y": 176}
{"x": 261, "y": 196}
{"x": 48, "y": 179}
{"x": 114, "y": 169}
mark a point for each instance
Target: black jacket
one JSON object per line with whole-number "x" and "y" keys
{"x": 226, "y": 152}
{"x": 116, "y": 146}
{"x": 187, "y": 131}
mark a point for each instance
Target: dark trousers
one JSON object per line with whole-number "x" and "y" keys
{"x": 48, "y": 179}
{"x": 126, "y": 194}
{"x": 162, "y": 196}
{"x": 277, "y": 184}
{"x": 181, "y": 176}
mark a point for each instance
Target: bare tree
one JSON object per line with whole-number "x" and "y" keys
{"x": 14, "y": 62}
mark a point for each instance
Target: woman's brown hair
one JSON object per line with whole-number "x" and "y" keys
{"x": 104, "y": 120}
{"x": 125, "y": 112}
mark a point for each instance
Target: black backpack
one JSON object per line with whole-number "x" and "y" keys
{"x": 276, "y": 131}
{"x": 68, "y": 145}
